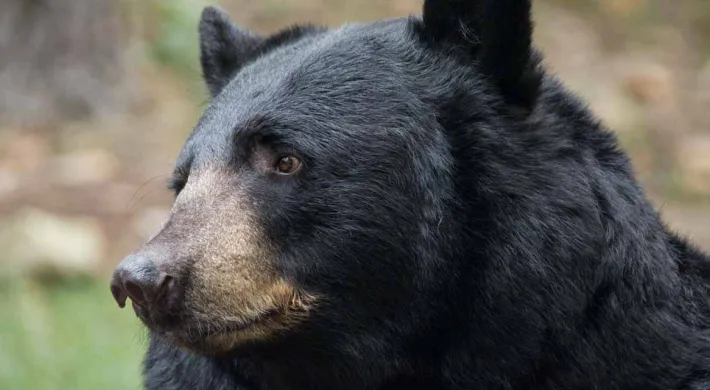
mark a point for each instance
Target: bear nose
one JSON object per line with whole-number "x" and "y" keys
{"x": 137, "y": 277}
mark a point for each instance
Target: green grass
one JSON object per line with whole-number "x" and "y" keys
{"x": 66, "y": 334}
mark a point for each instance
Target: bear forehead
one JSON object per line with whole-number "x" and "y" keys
{"x": 327, "y": 54}
{"x": 344, "y": 82}
{"x": 324, "y": 68}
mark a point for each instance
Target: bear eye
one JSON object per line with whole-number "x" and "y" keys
{"x": 288, "y": 165}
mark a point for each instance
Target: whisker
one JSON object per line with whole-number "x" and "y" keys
{"x": 130, "y": 204}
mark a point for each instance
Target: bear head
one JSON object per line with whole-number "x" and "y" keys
{"x": 324, "y": 190}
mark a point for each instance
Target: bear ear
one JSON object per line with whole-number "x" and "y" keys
{"x": 497, "y": 33}
{"x": 224, "y": 48}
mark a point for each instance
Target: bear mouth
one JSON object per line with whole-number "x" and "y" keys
{"x": 206, "y": 332}
{"x": 203, "y": 336}
{"x": 222, "y": 338}
{"x": 209, "y": 335}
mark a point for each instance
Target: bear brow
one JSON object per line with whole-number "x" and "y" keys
{"x": 262, "y": 130}
{"x": 178, "y": 179}
{"x": 255, "y": 128}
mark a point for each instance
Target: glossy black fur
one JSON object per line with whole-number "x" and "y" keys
{"x": 470, "y": 222}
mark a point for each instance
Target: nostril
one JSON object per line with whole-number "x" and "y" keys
{"x": 138, "y": 278}
{"x": 135, "y": 292}
{"x": 119, "y": 295}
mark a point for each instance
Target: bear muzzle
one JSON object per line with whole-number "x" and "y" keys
{"x": 210, "y": 278}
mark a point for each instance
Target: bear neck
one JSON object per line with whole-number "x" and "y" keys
{"x": 570, "y": 278}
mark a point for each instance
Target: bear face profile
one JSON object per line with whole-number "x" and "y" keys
{"x": 409, "y": 204}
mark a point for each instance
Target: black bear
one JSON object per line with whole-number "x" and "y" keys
{"x": 410, "y": 204}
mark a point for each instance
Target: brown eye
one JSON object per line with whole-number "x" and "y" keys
{"x": 287, "y": 165}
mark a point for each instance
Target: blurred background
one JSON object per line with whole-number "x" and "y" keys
{"x": 97, "y": 96}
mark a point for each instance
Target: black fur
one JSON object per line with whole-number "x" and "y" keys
{"x": 496, "y": 34}
{"x": 469, "y": 221}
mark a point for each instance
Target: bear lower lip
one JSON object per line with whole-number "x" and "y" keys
{"x": 232, "y": 328}
{"x": 192, "y": 331}
{"x": 204, "y": 342}
{"x": 203, "y": 333}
